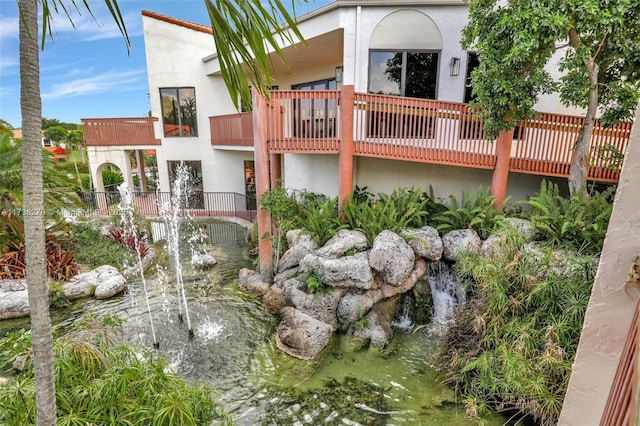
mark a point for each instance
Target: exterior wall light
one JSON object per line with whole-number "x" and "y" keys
{"x": 339, "y": 74}
{"x": 454, "y": 66}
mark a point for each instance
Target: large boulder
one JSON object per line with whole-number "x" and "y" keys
{"x": 251, "y": 281}
{"x": 300, "y": 245}
{"x": 348, "y": 271}
{"x": 321, "y": 305}
{"x": 301, "y": 335}
{"x": 425, "y": 242}
{"x": 459, "y": 241}
{"x": 14, "y": 299}
{"x": 392, "y": 258}
{"x": 345, "y": 240}
{"x": 103, "y": 282}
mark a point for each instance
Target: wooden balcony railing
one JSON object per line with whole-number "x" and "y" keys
{"x": 119, "y": 131}
{"x": 434, "y": 131}
{"x": 232, "y": 129}
{"x": 395, "y": 128}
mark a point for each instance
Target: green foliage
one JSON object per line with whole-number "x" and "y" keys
{"x": 372, "y": 215}
{"x": 318, "y": 216}
{"x": 314, "y": 283}
{"x": 514, "y": 342}
{"x": 111, "y": 177}
{"x": 515, "y": 40}
{"x": 100, "y": 382}
{"x": 474, "y": 211}
{"x": 94, "y": 249}
{"x": 578, "y": 221}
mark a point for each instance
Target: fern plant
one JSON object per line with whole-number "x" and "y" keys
{"x": 474, "y": 211}
{"x": 577, "y": 221}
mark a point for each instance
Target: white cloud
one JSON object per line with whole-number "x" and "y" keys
{"x": 85, "y": 27}
{"x": 8, "y": 28}
{"x": 101, "y": 83}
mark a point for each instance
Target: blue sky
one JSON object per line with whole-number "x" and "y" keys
{"x": 85, "y": 72}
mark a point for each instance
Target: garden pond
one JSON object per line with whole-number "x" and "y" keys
{"x": 233, "y": 349}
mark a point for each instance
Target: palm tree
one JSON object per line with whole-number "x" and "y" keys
{"x": 242, "y": 32}
{"x": 31, "y": 108}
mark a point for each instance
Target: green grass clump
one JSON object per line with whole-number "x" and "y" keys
{"x": 94, "y": 249}
{"x": 103, "y": 383}
{"x": 514, "y": 342}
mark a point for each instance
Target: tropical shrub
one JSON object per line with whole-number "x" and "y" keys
{"x": 401, "y": 209}
{"x": 59, "y": 259}
{"x": 100, "y": 382}
{"x": 578, "y": 221}
{"x": 92, "y": 248}
{"x": 132, "y": 242}
{"x": 473, "y": 211}
{"x": 513, "y": 343}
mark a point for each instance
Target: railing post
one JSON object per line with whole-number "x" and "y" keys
{"x": 345, "y": 161}
{"x": 261, "y": 158}
{"x": 501, "y": 170}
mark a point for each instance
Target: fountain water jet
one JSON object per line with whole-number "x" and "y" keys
{"x": 171, "y": 214}
{"x": 127, "y": 221}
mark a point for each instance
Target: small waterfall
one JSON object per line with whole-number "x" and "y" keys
{"x": 127, "y": 221}
{"x": 402, "y": 320}
{"x": 446, "y": 291}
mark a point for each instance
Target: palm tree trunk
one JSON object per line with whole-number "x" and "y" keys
{"x": 580, "y": 163}
{"x": 34, "y": 220}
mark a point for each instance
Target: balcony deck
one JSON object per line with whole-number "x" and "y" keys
{"x": 135, "y": 131}
{"x": 395, "y": 128}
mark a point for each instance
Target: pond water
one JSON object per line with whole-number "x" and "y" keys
{"x": 233, "y": 349}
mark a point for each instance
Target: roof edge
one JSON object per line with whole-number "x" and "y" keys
{"x": 175, "y": 21}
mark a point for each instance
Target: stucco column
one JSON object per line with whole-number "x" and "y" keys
{"x": 276, "y": 170}
{"x": 345, "y": 160}
{"x": 501, "y": 171}
{"x": 612, "y": 303}
{"x": 261, "y": 158}
{"x": 141, "y": 172}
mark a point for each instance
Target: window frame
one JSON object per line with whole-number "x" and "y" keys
{"x": 403, "y": 71}
{"x": 194, "y": 130}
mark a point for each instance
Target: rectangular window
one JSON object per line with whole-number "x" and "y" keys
{"x": 403, "y": 73}
{"x": 179, "y": 116}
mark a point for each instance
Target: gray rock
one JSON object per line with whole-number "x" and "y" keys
{"x": 392, "y": 258}
{"x": 14, "y": 304}
{"x": 321, "y": 306}
{"x": 348, "y": 271}
{"x": 252, "y": 282}
{"x": 374, "y": 330}
{"x": 342, "y": 242}
{"x": 301, "y": 335}
{"x": 425, "y": 242}
{"x": 104, "y": 281}
{"x": 459, "y": 241}
{"x": 523, "y": 226}
{"x": 202, "y": 260}
{"x": 300, "y": 245}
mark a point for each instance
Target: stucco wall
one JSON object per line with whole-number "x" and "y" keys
{"x": 612, "y": 302}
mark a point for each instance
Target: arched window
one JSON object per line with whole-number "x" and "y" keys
{"x": 404, "y": 52}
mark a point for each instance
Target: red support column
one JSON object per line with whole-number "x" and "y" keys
{"x": 276, "y": 170}
{"x": 261, "y": 158}
{"x": 501, "y": 171}
{"x": 345, "y": 161}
